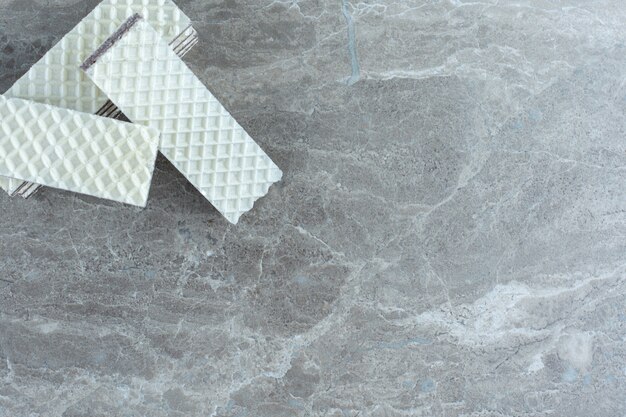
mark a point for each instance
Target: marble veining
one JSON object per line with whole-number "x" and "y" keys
{"x": 448, "y": 239}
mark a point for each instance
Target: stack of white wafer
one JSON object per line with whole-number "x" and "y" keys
{"x": 60, "y": 127}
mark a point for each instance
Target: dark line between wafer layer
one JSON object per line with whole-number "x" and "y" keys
{"x": 111, "y": 40}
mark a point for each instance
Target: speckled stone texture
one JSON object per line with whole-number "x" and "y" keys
{"x": 449, "y": 238}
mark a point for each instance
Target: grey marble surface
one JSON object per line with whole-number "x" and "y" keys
{"x": 449, "y": 238}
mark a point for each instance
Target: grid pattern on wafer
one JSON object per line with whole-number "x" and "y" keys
{"x": 142, "y": 75}
{"x": 56, "y": 78}
{"x": 76, "y": 151}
